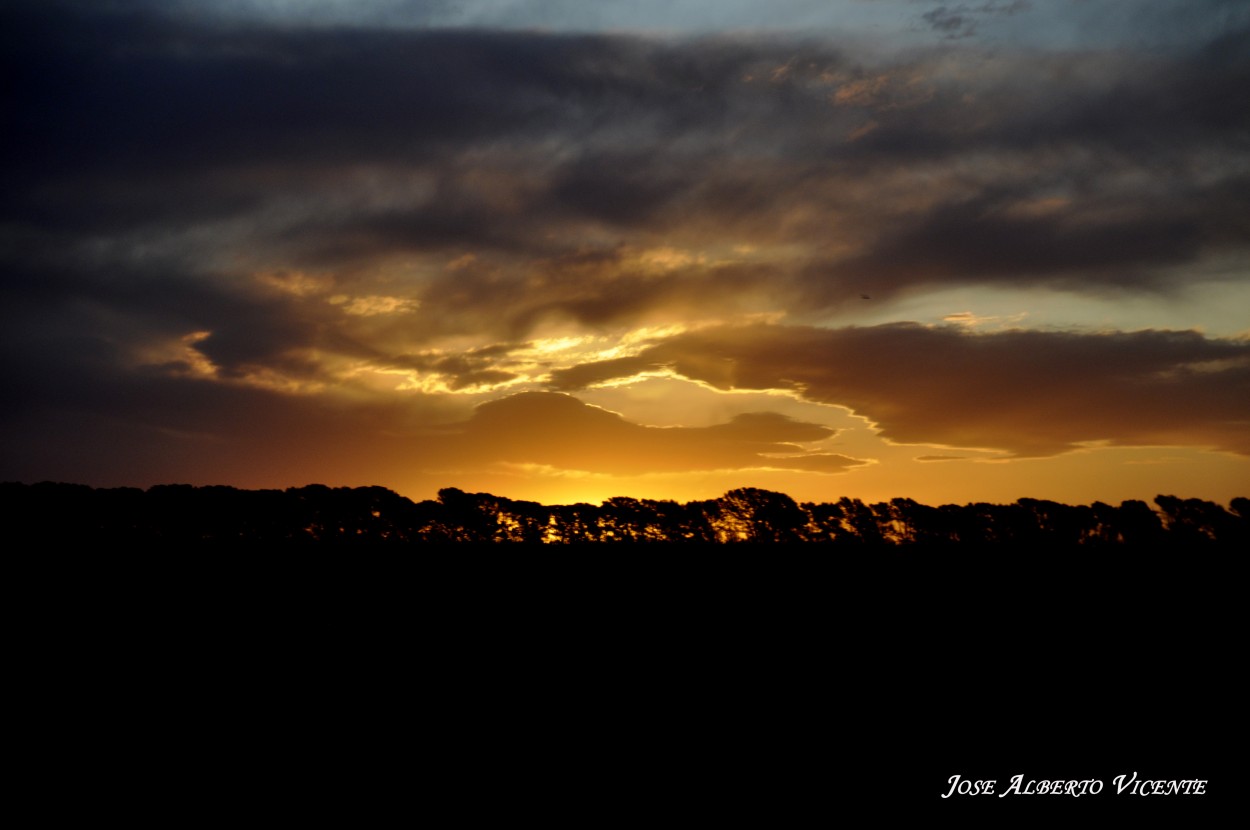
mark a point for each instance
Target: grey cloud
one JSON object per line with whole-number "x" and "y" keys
{"x": 961, "y": 21}
{"x": 951, "y": 23}
{"x": 979, "y": 241}
{"x": 1028, "y": 392}
{"x": 97, "y": 423}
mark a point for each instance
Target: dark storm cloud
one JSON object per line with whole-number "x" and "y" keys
{"x": 1028, "y": 392}
{"x": 124, "y": 121}
{"x": 126, "y": 96}
{"x": 980, "y": 241}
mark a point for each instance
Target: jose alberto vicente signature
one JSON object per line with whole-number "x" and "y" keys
{"x": 1123, "y": 784}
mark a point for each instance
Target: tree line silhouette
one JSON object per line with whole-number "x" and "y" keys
{"x": 316, "y": 514}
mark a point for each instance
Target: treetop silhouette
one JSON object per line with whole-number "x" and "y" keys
{"x": 182, "y": 514}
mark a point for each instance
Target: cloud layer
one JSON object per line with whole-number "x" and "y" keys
{"x": 1028, "y": 392}
{"x": 374, "y": 221}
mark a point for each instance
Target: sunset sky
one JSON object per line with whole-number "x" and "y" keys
{"x": 563, "y": 250}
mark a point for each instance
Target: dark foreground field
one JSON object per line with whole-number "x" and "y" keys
{"x": 639, "y": 683}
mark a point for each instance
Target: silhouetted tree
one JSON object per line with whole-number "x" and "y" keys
{"x": 1138, "y": 525}
{"x": 1240, "y": 508}
{"x": 847, "y": 522}
{"x": 623, "y": 519}
{"x": 577, "y": 523}
{"x": 522, "y": 521}
{"x": 753, "y": 515}
{"x": 178, "y": 515}
{"x": 919, "y": 524}
{"x": 469, "y": 517}
{"x": 1055, "y": 524}
{"x": 824, "y": 522}
{"x": 1195, "y": 521}
{"x": 673, "y": 522}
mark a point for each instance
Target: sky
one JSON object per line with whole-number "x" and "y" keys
{"x": 563, "y": 251}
